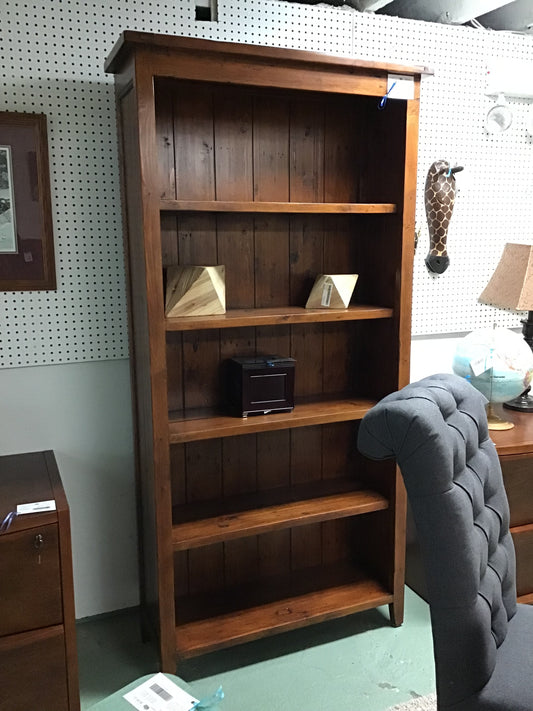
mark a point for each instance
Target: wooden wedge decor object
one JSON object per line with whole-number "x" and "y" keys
{"x": 195, "y": 291}
{"x": 332, "y": 291}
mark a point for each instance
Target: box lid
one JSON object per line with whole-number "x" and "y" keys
{"x": 265, "y": 361}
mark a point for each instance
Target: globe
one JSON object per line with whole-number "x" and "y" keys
{"x": 497, "y": 362}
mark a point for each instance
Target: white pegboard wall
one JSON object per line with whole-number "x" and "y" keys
{"x": 493, "y": 202}
{"x": 51, "y": 61}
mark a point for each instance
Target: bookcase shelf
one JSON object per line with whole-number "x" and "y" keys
{"x": 321, "y": 208}
{"x": 239, "y": 318}
{"x": 271, "y": 163}
{"x": 276, "y": 605}
{"x": 272, "y": 511}
{"x": 209, "y": 425}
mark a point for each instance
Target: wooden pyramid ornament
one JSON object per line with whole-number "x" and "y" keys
{"x": 332, "y": 291}
{"x": 195, "y": 291}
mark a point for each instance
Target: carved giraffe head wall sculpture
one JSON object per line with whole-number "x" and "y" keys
{"x": 439, "y": 198}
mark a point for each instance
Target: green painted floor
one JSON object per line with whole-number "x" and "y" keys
{"x": 359, "y": 663}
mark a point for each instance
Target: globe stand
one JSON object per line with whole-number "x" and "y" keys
{"x": 495, "y": 422}
{"x": 522, "y": 403}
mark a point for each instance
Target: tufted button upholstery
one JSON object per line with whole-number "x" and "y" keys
{"x": 437, "y": 431}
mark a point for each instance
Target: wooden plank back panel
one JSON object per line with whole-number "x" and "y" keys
{"x": 373, "y": 543}
{"x": 271, "y": 261}
{"x": 376, "y": 245}
{"x": 197, "y": 239}
{"x": 306, "y": 255}
{"x": 336, "y": 541}
{"x": 194, "y": 142}
{"x": 175, "y": 372}
{"x": 178, "y": 483}
{"x": 307, "y": 349}
{"x": 274, "y": 340}
{"x": 343, "y": 137}
{"x": 270, "y": 149}
{"x": 233, "y": 117}
{"x": 239, "y": 143}
{"x": 383, "y": 145}
{"x": 177, "y": 475}
{"x": 306, "y": 142}
{"x": 166, "y": 161}
{"x": 274, "y": 554}
{"x": 204, "y": 469}
{"x": 181, "y": 574}
{"x": 338, "y": 444}
{"x": 169, "y": 239}
{"x": 201, "y": 370}
{"x": 239, "y": 465}
{"x": 306, "y": 466}
{"x": 338, "y": 359}
{"x": 204, "y": 483}
{"x": 235, "y": 244}
{"x": 240, "y": 477}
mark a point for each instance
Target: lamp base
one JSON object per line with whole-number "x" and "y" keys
{"x": 522, "y": 403}
{"x": 495, "y": 422}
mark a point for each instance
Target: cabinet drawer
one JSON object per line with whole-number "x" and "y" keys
{"x": 523, "y": 542}
{"x": 33, "y": 671}
{"x": 30, "y": 581}
{"x": 518, "y": 479}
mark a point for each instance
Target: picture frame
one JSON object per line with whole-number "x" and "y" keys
{"x": 26, "y": 231}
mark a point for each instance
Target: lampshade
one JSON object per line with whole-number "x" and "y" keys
{"x": 511, "y": 285}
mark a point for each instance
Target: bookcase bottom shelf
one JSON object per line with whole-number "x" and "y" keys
{"x": 317, "y": 595}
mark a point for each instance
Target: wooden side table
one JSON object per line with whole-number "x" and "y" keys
{"x": 515, "y": 449}
{"x": 38, "y": 658}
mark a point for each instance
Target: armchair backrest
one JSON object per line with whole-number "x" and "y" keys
{"x": 437, "y": 431}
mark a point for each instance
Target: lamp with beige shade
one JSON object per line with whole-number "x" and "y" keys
{"x": 511, "y": 287}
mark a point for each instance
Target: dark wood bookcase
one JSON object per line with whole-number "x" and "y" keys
{"x": 279, "y": 165}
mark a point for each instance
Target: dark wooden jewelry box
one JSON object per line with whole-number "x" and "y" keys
{"x": 260, "y": 385}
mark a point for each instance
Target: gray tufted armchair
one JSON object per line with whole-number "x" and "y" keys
{"x": 482, "y": 639}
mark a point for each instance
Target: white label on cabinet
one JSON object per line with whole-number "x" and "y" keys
{"x": 400, "y": 86}
{"x": 326, "y": 294}
{"x": 160, "y": 694}
{"x": 36, "y": 507}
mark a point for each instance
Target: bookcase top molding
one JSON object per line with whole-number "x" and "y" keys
{"x": 131, "y": 41}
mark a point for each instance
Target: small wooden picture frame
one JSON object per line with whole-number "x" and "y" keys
{"x": 26, "y": 235}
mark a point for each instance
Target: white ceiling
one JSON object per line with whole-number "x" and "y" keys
{"x": 493, "y": 14}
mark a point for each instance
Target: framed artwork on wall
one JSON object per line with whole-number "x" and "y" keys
{"x": 26, "y": 234}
